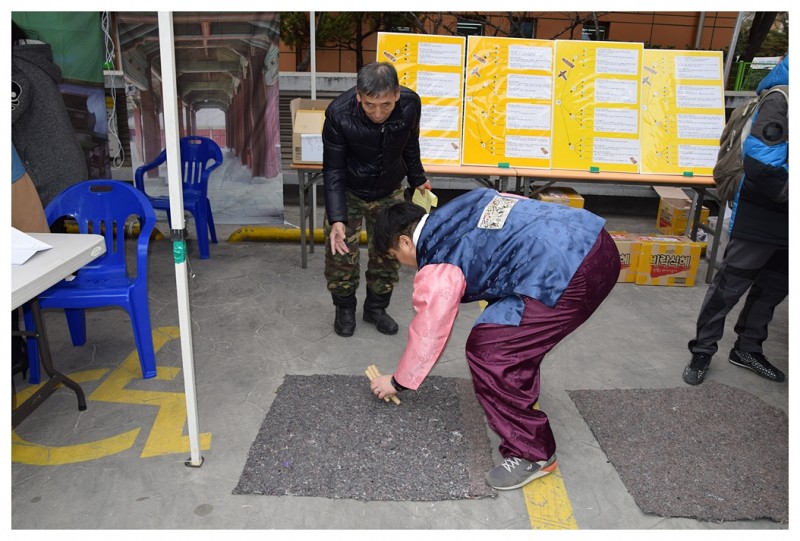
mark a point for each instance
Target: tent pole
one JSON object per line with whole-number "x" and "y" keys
{"x": 177, "y": 225}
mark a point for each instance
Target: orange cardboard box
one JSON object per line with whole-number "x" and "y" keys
{"x": 628, "y": 254}
{"x": 308, "y": 116}
{"x": 673, "y": 211}
{"x": 561, "y": 196}
{"x": 667, "y": 260}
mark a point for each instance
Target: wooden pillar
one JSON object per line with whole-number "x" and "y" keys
{"x": 272, "y": 121}
{"x": 181, "y": 118}
{"x": 137, "y": 138}
{"x": 151, "y": 130}
{"x": 258, "y": 109}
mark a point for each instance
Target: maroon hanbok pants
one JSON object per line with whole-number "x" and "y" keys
{"x": 505, "y": 360}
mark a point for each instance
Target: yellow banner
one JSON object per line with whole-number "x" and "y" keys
{"x": 683, "y": 111}
{"x": 596, "y": 106}
{"x": 432, "y": 66}
{"x": 508, "y": 102}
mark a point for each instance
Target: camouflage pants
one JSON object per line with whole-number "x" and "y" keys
{"x": 343, "y": 271}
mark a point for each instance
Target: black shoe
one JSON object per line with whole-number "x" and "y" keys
{"x": 375, "y": 312}
{"x": 345, "y": 323}
{"x": 696, "y": 370}
{"x": 757, "y": 363}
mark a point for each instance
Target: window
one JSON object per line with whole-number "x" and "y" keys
{"x": 595, "y": 33}
{"x": 397, "y": 22}
{"x": 469, "y": 28}
{"x": 523, "y": 27}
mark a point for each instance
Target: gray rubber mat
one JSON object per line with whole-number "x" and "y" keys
{"x": 709, "y": 452}
{"x": 328, "y": 436}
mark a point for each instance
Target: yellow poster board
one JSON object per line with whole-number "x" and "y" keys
{"x": 432, "y": 66}
{"x": 596, "y": 105}
{"x": 683, "y": 111}
{"x": 508, "y": 102}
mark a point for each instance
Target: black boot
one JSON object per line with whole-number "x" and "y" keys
{"x": 375, "y": 312}
{"x": 345, "y": 324}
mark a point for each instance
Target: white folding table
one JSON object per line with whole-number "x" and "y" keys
{"x": 44, "y": 269}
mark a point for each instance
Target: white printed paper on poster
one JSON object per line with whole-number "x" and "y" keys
{"x": 522, "y": 57}
{"x": 698, "y": 97}
{"x": 617, "y": 61}
{"x": 536, "y": 87}
{"x": 439, "y": 54}
{"x": 700, "y": 126}
{"x": 697, "y": 155}
{"x": 527, "y": 116}
{"x": 616, "y": 120}
{"x": 521, "y": 146}
{"x": 698, "y": 67}
{"x": 434, "y": 84}
{"x": 615, "y": 91}
{"x": 435, "y": 117}
{"x": 439, "y": 148}
{"x": 611, "y": 150}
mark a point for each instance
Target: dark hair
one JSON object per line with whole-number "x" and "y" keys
{"x": 376, "y": 79}
{"x": 18, "y": 33}
{"x": 399, "y": 219}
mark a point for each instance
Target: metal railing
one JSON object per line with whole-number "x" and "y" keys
{"x": 746, "y": 75}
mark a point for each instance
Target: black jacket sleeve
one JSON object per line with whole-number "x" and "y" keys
{"x": 415, "y": 173}
{"x": 334, "y": 168}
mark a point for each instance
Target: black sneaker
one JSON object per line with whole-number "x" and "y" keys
{"x": 515, "y": 472}
{"x": 757, "y": 363}
{"x": 696, "y": 370}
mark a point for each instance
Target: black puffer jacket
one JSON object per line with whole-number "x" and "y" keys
{"x": 366, "y": 159}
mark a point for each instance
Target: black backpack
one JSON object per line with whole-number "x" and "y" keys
{"x": 729, "y": 169}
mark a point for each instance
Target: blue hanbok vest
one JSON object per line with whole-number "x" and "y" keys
{"x": 508, "y": 247}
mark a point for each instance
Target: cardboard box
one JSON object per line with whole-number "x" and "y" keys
{"x": 308, "y": 116}
{"x": 666, "y": 260}
{"x": 673, "y": 211}
{"x": 561, "y": 196}
{"x": 628, "y": 254}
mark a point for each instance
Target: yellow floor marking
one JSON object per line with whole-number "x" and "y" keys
{"x": 548, "y": 505}
{"x": 25, "y": 452}
{"x": 165, "y": 437}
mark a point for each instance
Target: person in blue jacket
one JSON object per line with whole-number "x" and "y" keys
{"x": 756, "y": 260}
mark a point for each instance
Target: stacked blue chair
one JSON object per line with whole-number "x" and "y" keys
{"x": 199, "y": 157}
{"x": 103, "y": 207}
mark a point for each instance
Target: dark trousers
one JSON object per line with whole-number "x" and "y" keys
{"x": 763, "y": 270}
{"x": 505, "y": 360}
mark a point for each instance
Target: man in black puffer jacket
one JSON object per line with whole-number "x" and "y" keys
{"x": 370, "y": 144}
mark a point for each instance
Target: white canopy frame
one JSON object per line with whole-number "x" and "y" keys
{"x": 177, "y": 227}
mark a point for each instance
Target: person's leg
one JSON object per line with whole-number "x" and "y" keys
{"x": 382, "y": 271}
{"x": 740, "y": 266}
{"x": 504, "y": 360}
{"x": 768, "y": 290}
{"x": 342, "y": 271}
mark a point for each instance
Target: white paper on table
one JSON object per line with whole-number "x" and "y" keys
{"x": 24, "y": 246}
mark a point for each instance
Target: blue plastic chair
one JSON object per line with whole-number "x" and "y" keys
{"x": 103, "y": 207}
{"x": 196, "y": 153}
